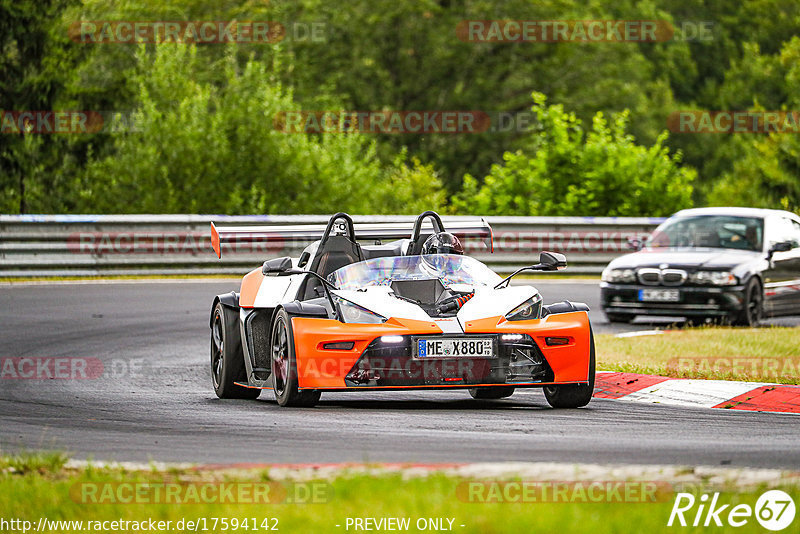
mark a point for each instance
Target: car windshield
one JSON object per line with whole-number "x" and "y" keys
{"x": 448, "y": 268}
{"x": 709, "y": 231}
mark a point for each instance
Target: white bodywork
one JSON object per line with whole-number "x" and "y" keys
{"x": 487, "y": 301}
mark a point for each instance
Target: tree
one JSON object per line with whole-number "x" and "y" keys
{"x": 766, "y": 171}
{"x": 570, "y": 171}
{"x": 34, "y": 58}
{"x": 201, "y": 147}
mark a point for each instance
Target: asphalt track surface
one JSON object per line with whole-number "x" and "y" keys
{"x": 156, "y": 400}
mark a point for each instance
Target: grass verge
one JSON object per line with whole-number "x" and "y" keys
{"x": 711, "y": 352}
{"x": 91, "y": 495}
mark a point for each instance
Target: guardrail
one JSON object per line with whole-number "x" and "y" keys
{"x": 88, "y": 245}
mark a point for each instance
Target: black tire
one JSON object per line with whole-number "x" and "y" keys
{"x": 620, "y": 317}
{"x": 753, "y": 311}
{"x": 491, "y": 393}
{"x": 573, "y": 396}
{"x": 227, "y": 357}
{"x": 284, "y": 365}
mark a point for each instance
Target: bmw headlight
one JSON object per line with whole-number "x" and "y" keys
{"x": 530, "y": 309}
{"x": 350, "y": 312}
{"x": 617, "y": 276}
{"x": 714, "y": 278}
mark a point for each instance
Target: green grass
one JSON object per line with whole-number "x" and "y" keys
{"x": 57, "y": 495}
{"x": 33, "y": 462}
{"x": 712, "y": 352}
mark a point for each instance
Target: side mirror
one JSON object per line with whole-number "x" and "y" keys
{"x": 634, "y": 244}
{"x": 548, "y": 261}
{"x": 551, "y": 261}
{"x": 277, "y": 265}
{"x": 783, "y": 246}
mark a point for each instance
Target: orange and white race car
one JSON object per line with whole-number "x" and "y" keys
{"x": 412, "y": 313}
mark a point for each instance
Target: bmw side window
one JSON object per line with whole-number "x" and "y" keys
{"x": 795, "y": 233}
{"x": 786, "y": 230}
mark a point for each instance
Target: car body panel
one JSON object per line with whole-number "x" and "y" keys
{"x": 777, "y": 273}
{"x": 520, "y": 354}
{"x": 319, "y": 368}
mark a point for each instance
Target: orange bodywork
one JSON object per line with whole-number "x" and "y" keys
{"x": 250, "y": 285}
{"x": 320, "y": 368}
{"x": 215, "y": 244}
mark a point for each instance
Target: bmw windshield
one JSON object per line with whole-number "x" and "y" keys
{"x": 449, "y": 269}
{"x": 709, "y": 231}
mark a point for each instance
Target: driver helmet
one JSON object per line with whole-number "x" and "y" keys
{"x": 436, "y": 247}
{"x": 442, "y": 243}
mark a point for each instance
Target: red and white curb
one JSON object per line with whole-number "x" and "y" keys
{"x": 749, "y": 396}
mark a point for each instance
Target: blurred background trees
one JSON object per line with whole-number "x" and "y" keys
{"x": 202, "y": 140}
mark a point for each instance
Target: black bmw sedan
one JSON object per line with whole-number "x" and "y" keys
{"x": 736, "y": 265}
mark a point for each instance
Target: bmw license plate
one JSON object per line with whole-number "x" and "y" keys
{"x": 659, "y": 295}
{"x": 438, "y": 347}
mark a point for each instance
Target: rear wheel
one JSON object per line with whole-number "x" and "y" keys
{"x": 577, "y": 395}
{"x": 284, "y": 366}
{"x": 227, "y": 357}
{"x": 491, "y": 393}
{"x": 752, "y": 312}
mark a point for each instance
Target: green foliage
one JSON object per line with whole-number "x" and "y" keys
{"x": 601, "y": 171}
{"x": 766, "y": 172}
{"x": 409, "y": 190}
{"x": 385, "y": 54}
{"x": 206, "y": 143}
{"x": 25, "y": 462}
{"x": 34, "y": 59}
{"x": 203, "y": 148}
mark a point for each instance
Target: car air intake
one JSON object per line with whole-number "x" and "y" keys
{"x": 424, "y": 291}
{"x": 673, "y": 277}
{"x": 649, "y": 277}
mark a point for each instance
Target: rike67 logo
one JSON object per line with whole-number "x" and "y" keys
{"x": 774, "y": 510}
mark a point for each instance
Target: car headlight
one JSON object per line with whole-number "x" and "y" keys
{"x": 625, "y": 276}
{"x": 350, "y": 312}
{"x": 714, "y": 278}
{"x": 530, "y": 309}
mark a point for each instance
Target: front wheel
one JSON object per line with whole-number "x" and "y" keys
{"x": 284, "y": 366}
{"x": 753, "y": 310}
{"x": 491, "y": 393}
{"x": 574, "y": 395}
{"x": 227, "y": 357}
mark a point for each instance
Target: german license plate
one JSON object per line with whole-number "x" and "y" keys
{"x": 437, "y": 347}
{"x": 659, "y": 295}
